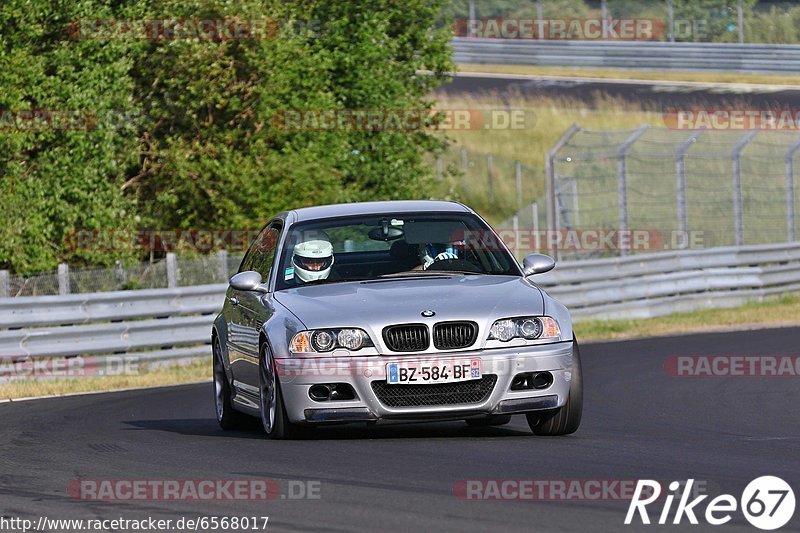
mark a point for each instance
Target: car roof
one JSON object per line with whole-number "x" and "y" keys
{"x": 372, "y": 208}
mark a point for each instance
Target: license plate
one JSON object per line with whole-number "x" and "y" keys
{"x": 427, "y": 372}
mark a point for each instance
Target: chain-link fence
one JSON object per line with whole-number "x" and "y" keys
{"x": 173, "y": 271}
{"x": 493, "y": 184}
{"x": 679, "y": 189}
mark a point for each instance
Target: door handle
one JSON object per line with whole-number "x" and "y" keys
{"x": 234, "y": 301}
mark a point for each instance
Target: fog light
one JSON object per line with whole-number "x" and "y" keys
{"x": 319, "y": 393}
{"x": 542, "y": 380}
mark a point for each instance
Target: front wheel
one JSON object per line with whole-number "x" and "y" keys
{"x": 565, "y": 419}
{"x": 273, "y": 414}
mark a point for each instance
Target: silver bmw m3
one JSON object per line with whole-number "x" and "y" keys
{"x": 401, "y": 310}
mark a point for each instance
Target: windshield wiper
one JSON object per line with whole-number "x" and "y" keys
{"x": 414, "y": 274}
{"x": 466, "y": 272}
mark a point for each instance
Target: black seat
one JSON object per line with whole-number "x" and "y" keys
{"x": 404, "y": 256}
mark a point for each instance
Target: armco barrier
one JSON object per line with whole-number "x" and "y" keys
{"x": 647, "y": 285}
{"x": 730, "y": 57}
{"x": 163, "y": 324}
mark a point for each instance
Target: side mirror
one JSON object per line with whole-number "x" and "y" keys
{"x": 248, "y": 281}
{"x": 537, "y": 264}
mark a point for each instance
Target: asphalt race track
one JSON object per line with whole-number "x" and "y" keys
{"x": 639, "y": 422}
{"x": 658, "y": 94}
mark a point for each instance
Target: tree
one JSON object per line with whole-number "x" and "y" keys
{"x": 182, "y": 131}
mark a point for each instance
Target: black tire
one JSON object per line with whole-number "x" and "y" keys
{"x": 273, "y": 414}
{"x": 227, "y": 417}
{"x": 490, "y": 420}
{"x": 566, "y": 419}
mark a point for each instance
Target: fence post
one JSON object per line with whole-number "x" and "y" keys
{"x": 535, "y": 218}
{"x": 222, "y": 259}
{"x": 63, "y": 279}
{"x": 5, "y": 285}
{"x": 119, "y": 274}
{"x": 551, "y": 184}
{"x": 604, "y": 16}
{"x": 790, "y": 212}
{"x": 738, "y": 207}
{"x": 518, "y": 173}
{"x": 471, "y": 18}
{"x": 680, "y": 173}
{"x": 622, "y": 183}
{"x": 539, "y": 16}
{"x": 172, "y": 271}
{"x": 671, "y": 19}
{"x": 740, "y": 20}
{"x": 465, "y": 166}
{"x": 489, "y": 172}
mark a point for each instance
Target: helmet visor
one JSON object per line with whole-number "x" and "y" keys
{"x": 313, "y": 264}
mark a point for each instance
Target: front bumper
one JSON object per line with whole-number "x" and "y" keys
{"x": 298, "y": 375}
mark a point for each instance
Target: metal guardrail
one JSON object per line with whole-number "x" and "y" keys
{"x": 169, "y": 324}
{"x": 151, "y": 325}
{"x": 757, "y": 58}
{"x": 650, "y": 285}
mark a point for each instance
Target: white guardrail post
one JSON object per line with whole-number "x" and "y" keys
{"x": 172, "y": 271}
{"x": 63, "y": 279}
{"x": 5, "y": 285}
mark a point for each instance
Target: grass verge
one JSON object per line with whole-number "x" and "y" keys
{"x": 780, "y": 312}
{"x": 650, "y": 75}
{"x": 164, "y": 375}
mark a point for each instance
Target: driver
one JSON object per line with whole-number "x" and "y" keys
{"x": 432, "y": 252}
{"x": 312, "y": 259}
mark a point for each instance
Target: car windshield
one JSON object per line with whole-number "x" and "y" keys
{"x": 376, "y": 247}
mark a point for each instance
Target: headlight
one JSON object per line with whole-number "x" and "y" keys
{"x": 326, "y": 340}
{"x": 530, "y": 328}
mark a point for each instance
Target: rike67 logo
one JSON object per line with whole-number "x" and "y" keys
{"x": 767, "y": 503}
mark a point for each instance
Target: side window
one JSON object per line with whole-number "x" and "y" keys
{"x": 247, "y": 261}
{"x": 265, "y": 243}
{"x": 264, "y": 251}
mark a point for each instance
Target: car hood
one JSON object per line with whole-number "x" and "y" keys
{"x": 378, "y": 303}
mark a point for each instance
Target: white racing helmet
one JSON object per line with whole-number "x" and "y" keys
{"x": 312, "y": 259}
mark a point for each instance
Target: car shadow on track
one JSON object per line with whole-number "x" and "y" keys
{"x": 208, "y": 427}
{"x": 201, "y": 427}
